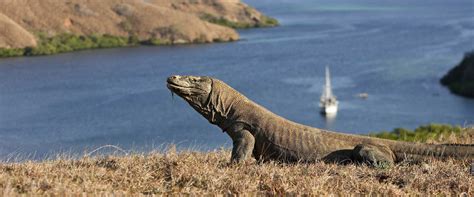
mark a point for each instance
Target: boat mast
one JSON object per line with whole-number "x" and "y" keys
{"x": 328, "y": 102}
{"x": 327, "y": 87}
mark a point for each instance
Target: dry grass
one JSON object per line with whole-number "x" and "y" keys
{"x": 191, "y": 172}
{"x": 204, "y": 173}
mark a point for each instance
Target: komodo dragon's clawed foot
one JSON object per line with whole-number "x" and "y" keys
{"x": 376, "y": 156}
{"x": 344, "y": 156}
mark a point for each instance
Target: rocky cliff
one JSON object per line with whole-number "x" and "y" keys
{"x": 169, "y": 21}
{"x": 460, "y": 79}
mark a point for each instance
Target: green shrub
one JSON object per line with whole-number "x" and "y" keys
{"x": 42, "y": 49}
{"x": 268, "y": 22}
{"x": 108, "y": 41}
{"x": 133, "y": 40}
{"x": 420, "y": 134}
{"x": 265, "y": 22}
{"x": 11, "y": 52}
{"x": 68, "y": 42}
{"x": 156, "y": 41}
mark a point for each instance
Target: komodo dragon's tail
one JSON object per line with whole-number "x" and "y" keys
{"x": 404, "y": 150}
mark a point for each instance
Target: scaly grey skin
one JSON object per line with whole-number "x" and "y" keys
{"x": 257, "y": 132}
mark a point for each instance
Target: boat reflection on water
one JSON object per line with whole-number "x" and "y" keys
{"x": 330, "y": 120}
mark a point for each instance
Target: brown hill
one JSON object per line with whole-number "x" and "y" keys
{"x": 230, "y": 10}
{"x": 172, "y": 21}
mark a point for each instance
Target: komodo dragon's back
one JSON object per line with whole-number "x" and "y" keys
{"x": 256, "y": 131}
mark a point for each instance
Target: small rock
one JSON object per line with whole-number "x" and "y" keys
{"x": 426, "y": 168}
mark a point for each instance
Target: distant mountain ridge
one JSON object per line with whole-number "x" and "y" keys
{"x": 460, "y": 79}
{"x": 169, "y": 21}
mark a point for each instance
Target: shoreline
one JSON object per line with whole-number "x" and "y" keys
{"x": 50, "y": 46}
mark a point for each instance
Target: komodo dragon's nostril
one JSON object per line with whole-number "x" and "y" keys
{"x": 172, "y": 78}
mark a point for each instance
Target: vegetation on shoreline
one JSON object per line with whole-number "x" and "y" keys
{"x": 11, "y": 52}
{"x": 265, "y": 22}
{"x": 425, "y": 133}
{"x": 69, "y": 42}
{"x": 190, "y": 172}
{"x": 460, "y": 79}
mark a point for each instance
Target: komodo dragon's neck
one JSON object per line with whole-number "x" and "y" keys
{"x": 227, "y": 107}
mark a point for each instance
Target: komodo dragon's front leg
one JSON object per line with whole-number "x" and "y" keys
{"x": 243, "y": 143}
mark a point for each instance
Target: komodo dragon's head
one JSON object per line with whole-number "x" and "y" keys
{"x": 193, "y": 89}
{"x": 211, "y": 97}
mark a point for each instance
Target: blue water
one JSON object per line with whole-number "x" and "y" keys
{"x": 396, "y": 51}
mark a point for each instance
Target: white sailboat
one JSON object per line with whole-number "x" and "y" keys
{"x": 328, "y": 102}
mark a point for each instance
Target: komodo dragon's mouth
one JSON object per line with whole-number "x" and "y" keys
{"x": 175, "y": 88}
{"x": 178, "y": 88}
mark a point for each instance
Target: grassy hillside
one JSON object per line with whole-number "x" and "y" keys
{"x": 209, "y": 173}
{"x": 189, "y": 172}
{"x": 460, "y": 79}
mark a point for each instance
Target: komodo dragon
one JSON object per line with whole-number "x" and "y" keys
{"x": 257, "y": 131}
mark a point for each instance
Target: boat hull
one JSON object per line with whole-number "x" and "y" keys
{"x": 330, "y": 109}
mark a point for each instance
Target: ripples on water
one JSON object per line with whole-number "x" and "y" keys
{"x": 396, "y": 51}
